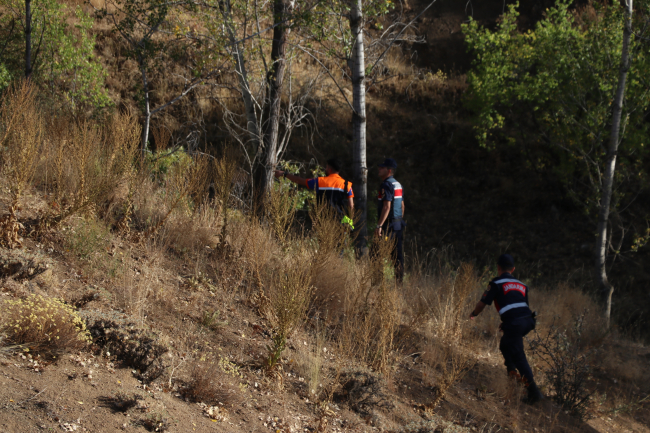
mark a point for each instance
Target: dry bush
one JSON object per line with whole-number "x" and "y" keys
{"x": 225, "y": 169}
{"x": 280, "y": 208}
{"x": 134, "y": 285}
{"x": 560, "y": 307}
{"x": 569, "y": 364}
{"x": 86, "y": 163}
{"x": 447, "y": 299}
{"x": 370, "y": 312}
{"x": 332, "y": 269}
{"x": 128, "y": 342}
{"x": 254, "y": 248}
{"x": 364, "y": 390}
{"x": 213, "y": 382}
{"x": 185, "y": 189}
{"x": 310, "y": 361}
{"x": 289, "y": 293}
{"x": 21, "y": 137}
{"x": 46, "y": 326}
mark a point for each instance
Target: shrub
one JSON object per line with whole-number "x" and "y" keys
{"x": 88, "y": 238}
{"x": 21, "y": 135}
{"x": 370, "y": 312}
{"x": 46, "y": 326}
{"x": 121, "y": 402}
{"x": 443, "y": 303}
{"x": 213, "y": 383}
{"x": 131, "y": 344}
{"x": 289, "y": 295}
{"x": 569, "y": 364}
{"x": 364, "y": 391}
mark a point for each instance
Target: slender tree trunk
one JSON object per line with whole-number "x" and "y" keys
{"x": 275, "y": 79}
{"x": 252, "y": 124}
{"x": 357, "y": 66}
{"x": 147, "y": 108}
{"x": 610, "y": 165}
{"x": 28, "y": 38}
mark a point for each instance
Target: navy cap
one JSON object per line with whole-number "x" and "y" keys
{"x": 388, "y": 163}
{"x": 505, "y": 261}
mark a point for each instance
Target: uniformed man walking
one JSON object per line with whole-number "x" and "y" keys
{"x": 510, "y": 297}
{"x": 390, "y": 209}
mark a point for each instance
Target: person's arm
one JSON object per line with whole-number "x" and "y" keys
{"x": 351, "y": 202}
{"x": 402, "y": 208}
{"x": 385, "y": 210}
{"x": 477, "y": 310}
{"x": 295, "y": 179}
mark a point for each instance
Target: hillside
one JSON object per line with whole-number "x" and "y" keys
{"x": 201, "y": 314}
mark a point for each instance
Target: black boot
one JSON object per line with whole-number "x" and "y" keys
{"x": 534, "y": 394}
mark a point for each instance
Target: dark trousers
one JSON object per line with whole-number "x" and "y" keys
{"x": 398, "y": 253}
{"x": 512, "y": 345}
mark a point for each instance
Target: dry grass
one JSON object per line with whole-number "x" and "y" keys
{"x": 21, "y": 137}
{"x": 289, "y": 293}
{"x": 213, "y": 382}
{"x": 450, "y": 337}
{"x": 370, "y": 312}
{"x": 46, "y": 326}
{"x": 84, "y": 164}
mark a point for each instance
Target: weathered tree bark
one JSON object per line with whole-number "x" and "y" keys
{"x": 28, "y": 38}
{"x": 275, "y": 80}
{"x": 360, "y": 171}
{"x": 147, "y": 107}
{"x": 610, "y": 165}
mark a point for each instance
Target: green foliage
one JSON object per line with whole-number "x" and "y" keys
{"x": 301, "y": 195}
{"x": 88, "y": 239}
{"x": 554, "y": 85}
{"x": 62, "y": 53}
{"x": 160, "y": 163}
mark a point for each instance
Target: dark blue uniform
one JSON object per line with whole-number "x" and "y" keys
{"x": 510, "y": 297}
{"x": 390, "y": 190}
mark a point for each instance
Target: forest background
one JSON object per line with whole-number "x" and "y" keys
{"x": 496, "y": 152}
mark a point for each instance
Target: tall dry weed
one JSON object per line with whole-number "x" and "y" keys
{"x": 289, "y": 293}
{"x": 281, "y": 205}
{"x": 447, "y": 299}
{"x": 185, "y": 188}
{"x": 21, "y": 137}
{"x": 371, "y": 312}
{"x": 86, "y": 163}
{"x": 332, "y": 263}
{"x": 225, "y": 169}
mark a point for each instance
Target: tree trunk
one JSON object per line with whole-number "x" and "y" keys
{"x": 275, "y": 79}
{"x": 28, "y": 38}
{"x": 252, "y": 125}
{"x": 147, "y": 108}
{"x": 610, "y": 165}
{"x": 360, "y": 170}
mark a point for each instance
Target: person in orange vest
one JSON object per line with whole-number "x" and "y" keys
{"x": 332, "y": 188}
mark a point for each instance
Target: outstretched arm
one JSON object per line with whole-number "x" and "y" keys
{"x": 477, "y": 310}
{"x": 295, "y": 179}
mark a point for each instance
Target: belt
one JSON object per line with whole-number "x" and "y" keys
{"x": 512, "y": 306}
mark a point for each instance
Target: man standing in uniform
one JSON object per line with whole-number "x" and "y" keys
{"x": 390, "y": 211}
{"x": 332, "y": 188}
{"x": 510, "y": 298}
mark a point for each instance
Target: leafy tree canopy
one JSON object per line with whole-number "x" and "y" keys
{"x": 555, "y": 85}
{"x": 63, "y": 53}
